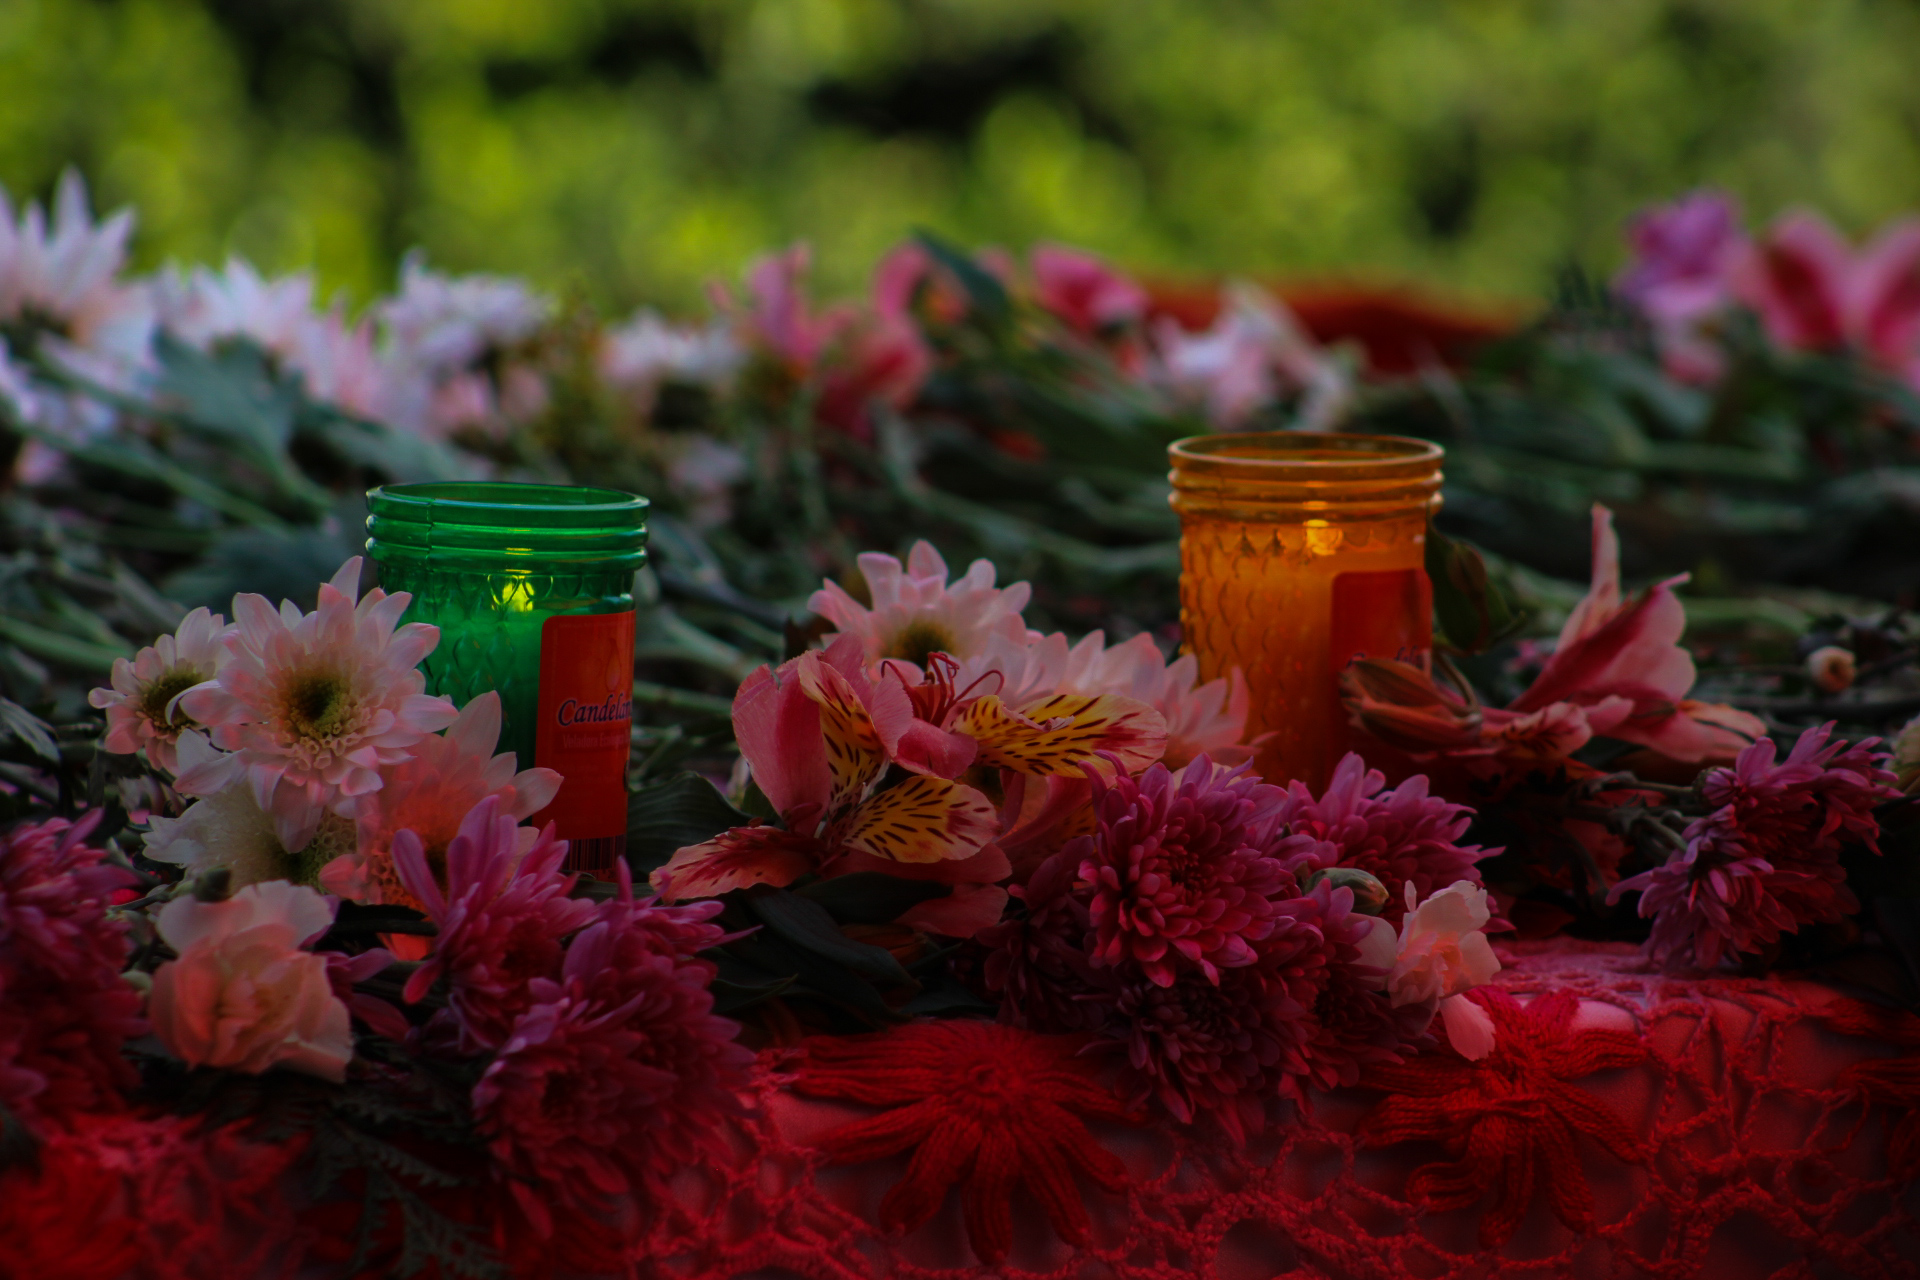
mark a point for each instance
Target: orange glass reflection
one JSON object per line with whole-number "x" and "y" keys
{"x": 1298, "y": 553}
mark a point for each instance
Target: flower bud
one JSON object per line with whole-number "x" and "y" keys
{"x": 213, "y": 885}
{"x": 1369, "y": 895}
{"x": 1831, "y": 669}
{"x": 1906, "y": 757}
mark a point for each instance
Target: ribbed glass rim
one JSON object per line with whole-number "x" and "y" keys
{"x": 1304, "y": 455}
{"x": 508, "y": 504}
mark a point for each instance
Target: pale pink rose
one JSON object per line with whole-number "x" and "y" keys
{"x": 1442, "y": 949}
{"x": 1442, "y": 955}
{"x": 315, "y": 705}
{"x": 143, "y": 705}
{"x": 244, "y": 995}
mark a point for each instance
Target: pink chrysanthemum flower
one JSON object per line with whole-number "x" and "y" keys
{"x": 65, "y": 1011}
{"x": 1766, "y": 860}
{"x": 502, "y": 914}
{"x": 1401, "y": 837}
{"x": 430, "y": 794}
{"x": 1202, "y": 719}
{"x": 916, "y": 612}
{"x": 1179, "y": 871}
{"x": 313, "y": 705}
{"x": 143, "y": 705}
{"x": 1355, "y": 1022}
{"x": 619, "y": 1072}
{"x": 1223, "y": 1049}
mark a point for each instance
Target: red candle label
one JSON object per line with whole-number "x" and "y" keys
{"x": 1388, "y": 614}
{"x": 585, "y": 733}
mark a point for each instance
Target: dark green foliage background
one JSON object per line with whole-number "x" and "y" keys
{"x": 636, "y": 148}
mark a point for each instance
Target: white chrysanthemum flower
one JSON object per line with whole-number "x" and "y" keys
{"x": 1202, "y": 719}
{"x": 225, "y": 829}
{"x": 443, "y": 323}
{"x": 1255, "y": 348}
{"x": 916, "y": 612}
{"x": 203, "y": 306}
{"x": 313, "y": 705}
{"x": 648, "y": 350}
{"x": 143, "y": 705}
{"x": 63, "y": 277}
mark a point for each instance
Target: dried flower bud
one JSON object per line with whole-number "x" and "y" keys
{"x": 213, "y": 885}
{"x": 1369, "y": 895}
{"x": 1831, "y": 669}
{"x": 1906, "y": 757}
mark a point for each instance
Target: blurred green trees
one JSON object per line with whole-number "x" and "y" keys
{"x": 635, "y": 149}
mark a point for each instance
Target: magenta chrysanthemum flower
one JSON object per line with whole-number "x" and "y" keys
{"x": 65, "y": 1011}
{"x": 1038, "y": 963}
{"x": 1766, "y": 860}
{"x": 502, "y": 918}
{"x": 1355, "y": 1022}
{"x": 1224, "y": 1048}
{"x": 620, "y": 1072}
{"x": 313, "y": 705}
{"x": 1179, "y": 870}
{"x": 1404, "y": 836}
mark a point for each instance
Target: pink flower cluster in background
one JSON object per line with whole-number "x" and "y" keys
{"x": 1693, "y": 261}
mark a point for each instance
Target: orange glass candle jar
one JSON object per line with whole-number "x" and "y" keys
{"x": 1298, "y": 553}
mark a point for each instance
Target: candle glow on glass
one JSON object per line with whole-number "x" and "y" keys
{"x": 1298, "y": 553}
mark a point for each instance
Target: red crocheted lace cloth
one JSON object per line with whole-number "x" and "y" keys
{"x": 1629, "y": 1124}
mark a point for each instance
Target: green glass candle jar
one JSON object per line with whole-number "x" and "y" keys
{"x": 531, "y": 586}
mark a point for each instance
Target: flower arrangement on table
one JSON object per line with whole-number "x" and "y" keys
{"x": 331, "y": 944}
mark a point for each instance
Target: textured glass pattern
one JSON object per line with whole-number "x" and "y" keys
{"x": 490, "y": 631}
{"x": 1268, "y": 523}
{"x": 1259, "y": 597}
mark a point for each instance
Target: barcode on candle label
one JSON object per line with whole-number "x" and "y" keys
{"x": 584, "y": 732}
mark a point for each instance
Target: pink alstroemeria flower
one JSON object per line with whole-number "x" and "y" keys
{"x": 1680, "y": 277}
{"x": 1815, "y": 293}
{"x": 1085, "y": 292}
{"x": 819, "y": 737}
{"x": 1613, "y": 650}
{"x": 1618, "y": 670}
{"x": 779, "y": 320}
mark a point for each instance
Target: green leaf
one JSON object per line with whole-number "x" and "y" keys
{"x": 30, "y": 729}
{"x": 871, "y": 897}
{"x": 806, "y": 924}
{"x": 948, "y": 998}
{"x": 984, "y": 290}
{"x": 684, "y": 810}
{"x": 814, "y": 975}
{"x": 1472, "y": 610}
{"x": 228, "y": 393}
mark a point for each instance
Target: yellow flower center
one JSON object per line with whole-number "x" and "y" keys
{"x": 318, "y": 706}
{"x": 918, "y": 640}
{"x": 155, "y": 697}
